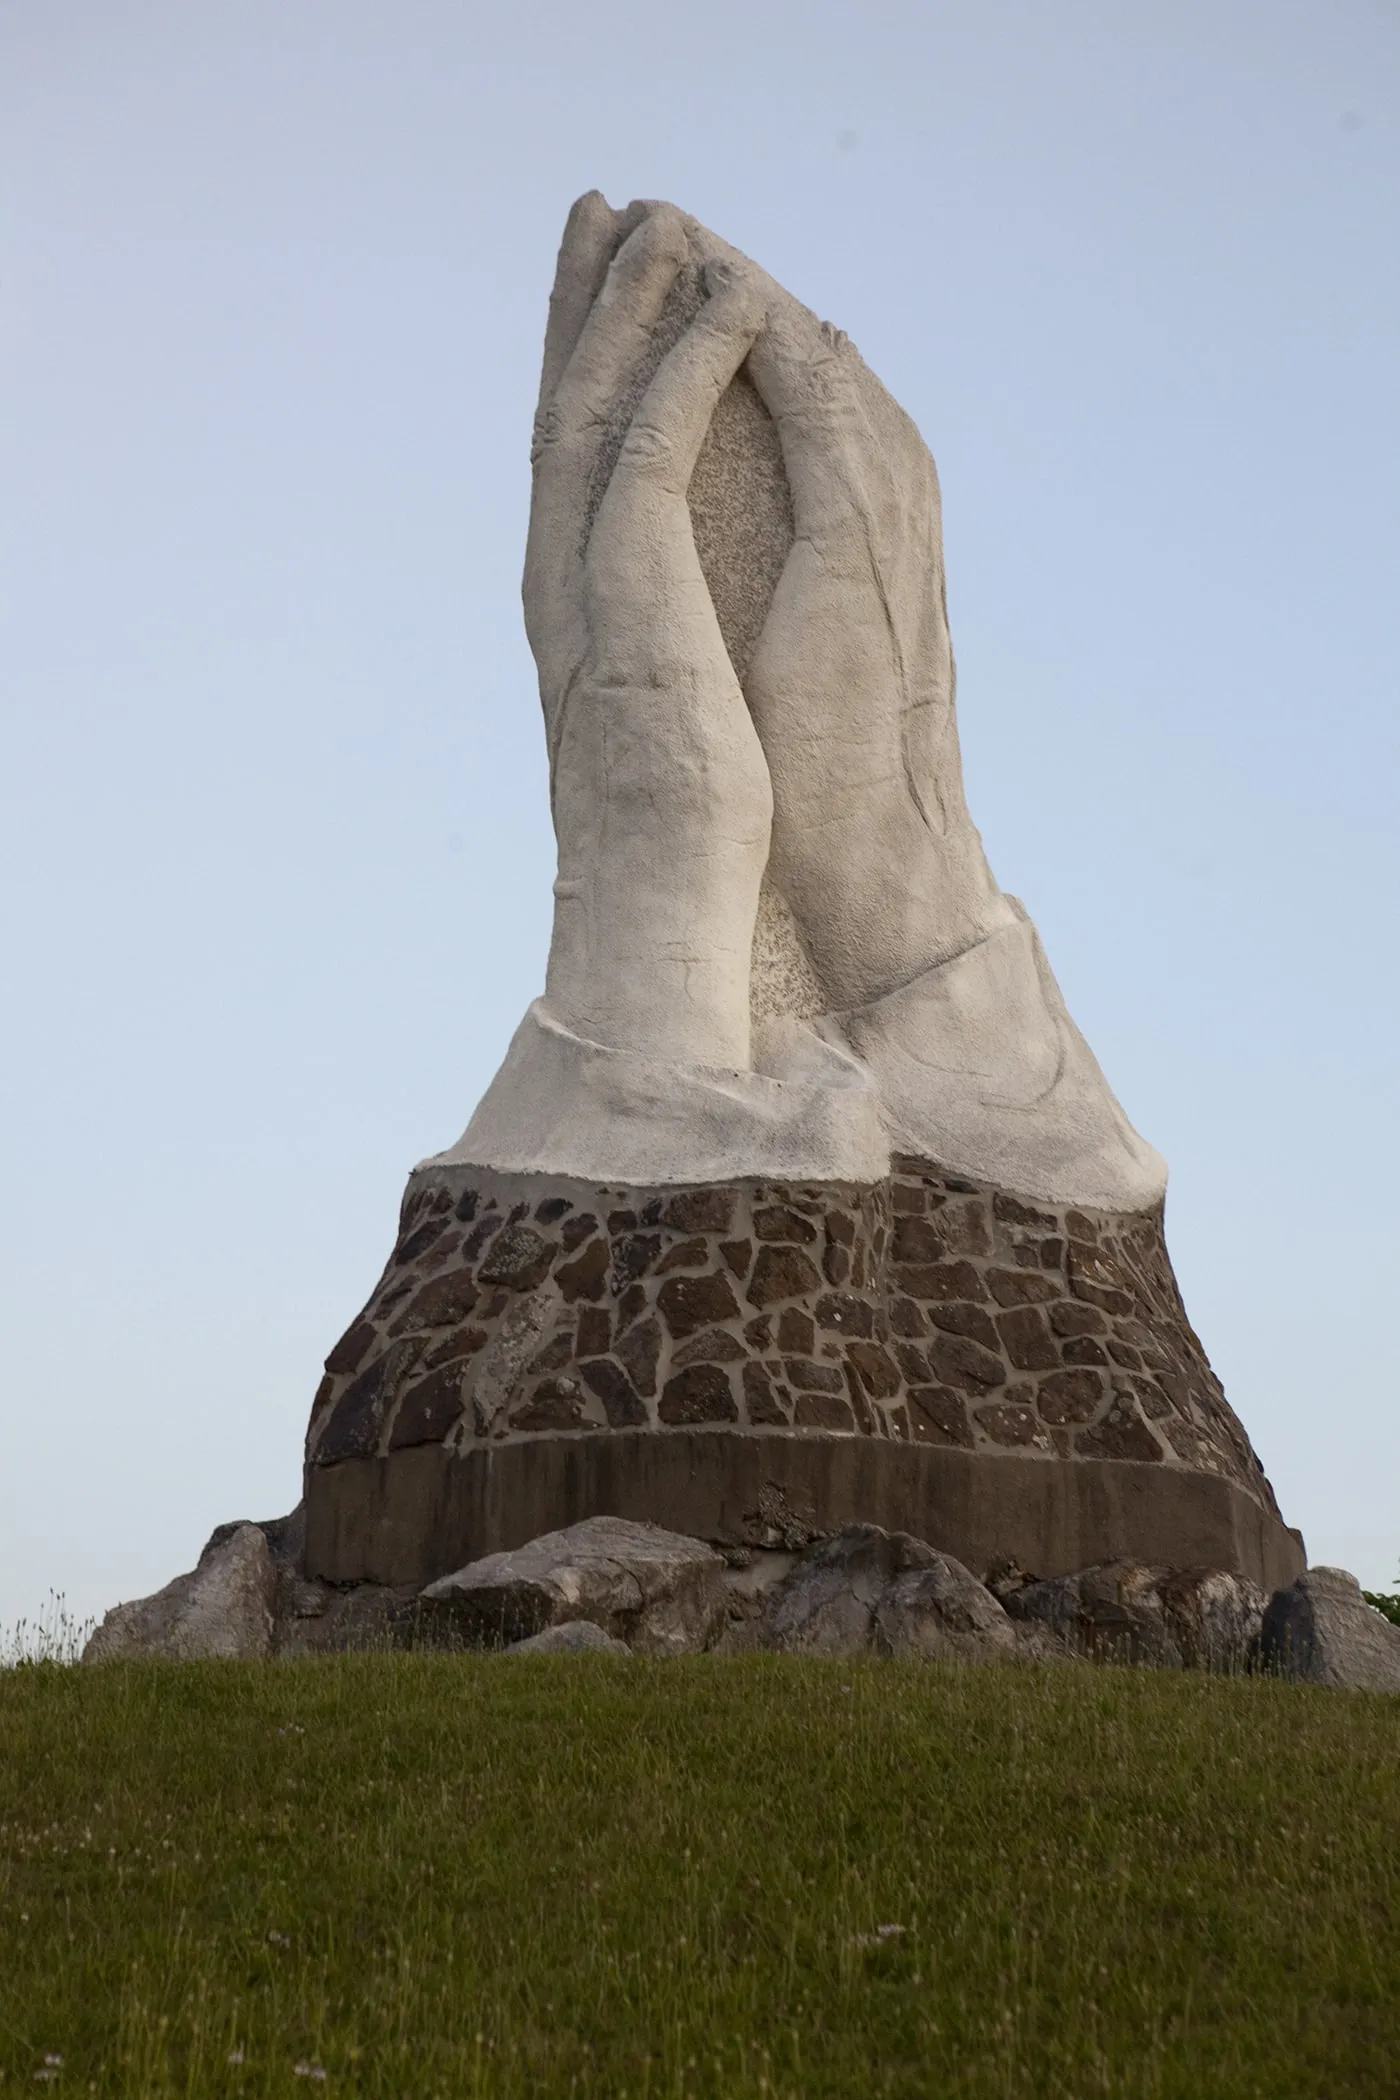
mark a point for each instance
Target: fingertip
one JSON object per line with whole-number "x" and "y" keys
{"x": 631, "y": 215}
{"x": 782, "y": 356}
{"x": 664, "y": 230}
{"x": 644, "y": 208}
{"x": 589, "y": 231}
{"x": 585, "y": 251}
{"x": 649, "y": 257}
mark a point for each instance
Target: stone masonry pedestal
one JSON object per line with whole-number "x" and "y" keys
{"x": 762, "y": 1363}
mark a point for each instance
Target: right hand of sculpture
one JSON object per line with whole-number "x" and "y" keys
{"x": 660, "y": 792}
{"x": 852, "y": 681}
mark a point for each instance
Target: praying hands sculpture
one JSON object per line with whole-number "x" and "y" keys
{"x": 778, "y": 752}
{"x": 798, "y": 1200}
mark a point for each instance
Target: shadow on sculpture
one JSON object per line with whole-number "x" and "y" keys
{"x": 798, "y": 1201}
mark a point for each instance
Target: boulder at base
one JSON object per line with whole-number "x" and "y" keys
{"x": 574, "y": 1637}
{"x": 1176, "y": 1618}
{"x": 659, "y": 1592}
{"x": 1321, "y": 1630}
{"x": 869, "y": 1590}
{"x": 223, "y": 1607}
{"x": 942, "y": 1613}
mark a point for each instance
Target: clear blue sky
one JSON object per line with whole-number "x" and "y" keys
{"x": 277, "y": 855}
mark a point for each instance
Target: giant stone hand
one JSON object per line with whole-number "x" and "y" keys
{"x": 915, "y": 1008}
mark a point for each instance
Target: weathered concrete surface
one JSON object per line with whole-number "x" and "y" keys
{"x": 1321, "y": 1630}
{"x": 223, "y": 1607}
{"x": 661, "y": 1593}
{"x": 415, "y": 1515}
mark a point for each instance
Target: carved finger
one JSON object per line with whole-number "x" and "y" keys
{"x": 571, "y": 428}
{"x": 808, "y": 375}
{"x": 617, "y": 333}
{"x": 592, "y": 235}
{"x": 663, "y": 442}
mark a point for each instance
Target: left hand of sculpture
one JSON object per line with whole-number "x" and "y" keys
{"x": 661, "y": 797}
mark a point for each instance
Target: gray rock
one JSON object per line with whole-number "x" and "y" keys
{"x": 1005, "y": 1577}
{"x": 827, "y": 1605}
{"x": 525, "y": 1326}
{"x": 314, "y": 1618}
{"x": 1125, "y": 1612}
{"x": 659, "y": 1592}
{"x": 286, "y": 1536}
{"x": 573, "y": 1637}
{"x": 1037, "y": 1644}
{"x": 751, "y": 1576}
{"x": 943, "y": 1614}
{"x": 1213, "y": 1617}
{"x": 867, "y": 1590}
{"x": 1321, "y": 1630}
{"x": 223, "y": 1607}
{"x": 1109, "y": 1613}
{"x": 311, "y": 1617}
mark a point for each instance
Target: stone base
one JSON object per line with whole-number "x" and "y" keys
{"x": 762, "y": 1363}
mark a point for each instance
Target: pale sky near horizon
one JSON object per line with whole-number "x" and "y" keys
{"x": 277, "y": 854}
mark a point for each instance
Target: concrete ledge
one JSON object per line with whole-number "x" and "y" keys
{"x": 416, "y": 1514}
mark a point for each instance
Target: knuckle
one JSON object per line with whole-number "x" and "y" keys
{"x": 646, "y": 445}
{"x": 547, "y": 432}
{"x": 559, "y": 437}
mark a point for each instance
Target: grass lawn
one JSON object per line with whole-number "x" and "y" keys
{"x": 475, "y": 1875}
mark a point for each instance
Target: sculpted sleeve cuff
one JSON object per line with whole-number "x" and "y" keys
{"x": 979, "y": 1067}
{"x": 563, "y": 1105}
{"x": 974, "y": 1065}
